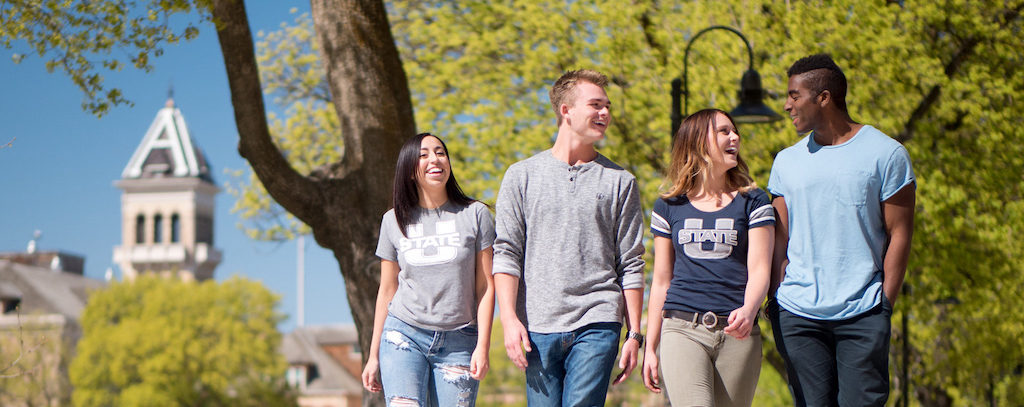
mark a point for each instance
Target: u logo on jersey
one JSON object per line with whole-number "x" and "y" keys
{"x": 440, "y": 247}
{"x": 693, "y": 235}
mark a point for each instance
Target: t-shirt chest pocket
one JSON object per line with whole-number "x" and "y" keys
{"x": 852, "y": 187}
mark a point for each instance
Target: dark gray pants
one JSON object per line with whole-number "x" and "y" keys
{"x": 835, "y": 363}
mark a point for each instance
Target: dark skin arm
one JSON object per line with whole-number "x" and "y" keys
{"x": 898, "y": 212}
{"x": 779, "y": 258}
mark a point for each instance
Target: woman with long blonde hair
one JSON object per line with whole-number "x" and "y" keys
{"x": 713, "y": 240}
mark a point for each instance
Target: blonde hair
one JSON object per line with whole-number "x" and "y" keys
{"x": 691, "y": 164}
{"x": 564, "y": 89}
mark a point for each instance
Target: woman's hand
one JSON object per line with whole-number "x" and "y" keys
{"x": 650, "y": 371}
{"x": 479, "y": 363}
{"x": 741, "y": 322}
{"x": 370, "y": 374}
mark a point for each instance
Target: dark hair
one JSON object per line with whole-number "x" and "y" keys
{"x": 821, "y": 73}
{"x": 406, "y": 195}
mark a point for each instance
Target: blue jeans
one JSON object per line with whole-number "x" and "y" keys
{"x": 572, "y": 368}
{"x": 835, "y": 363}
{"x": 420, "y": 367}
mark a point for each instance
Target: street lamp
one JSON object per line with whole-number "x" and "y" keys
{"x": 751, "y": 109}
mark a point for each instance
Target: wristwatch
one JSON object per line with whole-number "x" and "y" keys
{"x": 635, "y": 335}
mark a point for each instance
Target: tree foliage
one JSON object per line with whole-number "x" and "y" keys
{"x": 166, "y": 342}
{"x": 84, "y": 39}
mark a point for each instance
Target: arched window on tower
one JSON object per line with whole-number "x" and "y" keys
{"x": 158, "y": 228}
{"x": 175, "y": 228}
{"x": 140, "y": 229}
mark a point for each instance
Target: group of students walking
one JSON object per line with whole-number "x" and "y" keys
{"x": 562, "y": 256}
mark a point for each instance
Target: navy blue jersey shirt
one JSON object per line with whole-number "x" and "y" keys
{"x": 710, "y": 270}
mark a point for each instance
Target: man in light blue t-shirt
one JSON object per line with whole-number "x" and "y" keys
{"x": 845, "y": 200}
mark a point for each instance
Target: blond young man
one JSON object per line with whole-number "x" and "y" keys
{"x": 568, "y": 255}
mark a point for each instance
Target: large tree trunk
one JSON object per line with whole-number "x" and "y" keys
{"x": 342, "y": 202}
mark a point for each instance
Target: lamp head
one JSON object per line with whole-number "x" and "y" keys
{"x": 752, "y": 108}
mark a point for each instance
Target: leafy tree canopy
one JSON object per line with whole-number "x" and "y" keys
{"x": 159, "y": 341}
{"x": 84, "y": 39}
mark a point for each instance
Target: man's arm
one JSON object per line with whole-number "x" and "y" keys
{"x": 509, "y": 247}
{"x": 507, "y": 289}
{"x": 780, "y": 257}
{"x": 898, "y": 213}
{"x": 629, "y": 241}
{"x": 630, "y": 268}
{"x": 631, "y": 347}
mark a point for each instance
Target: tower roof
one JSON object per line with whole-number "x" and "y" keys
{"x": 167, "y": 150}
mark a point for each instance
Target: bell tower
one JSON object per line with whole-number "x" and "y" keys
{"x": 167, "y": 204}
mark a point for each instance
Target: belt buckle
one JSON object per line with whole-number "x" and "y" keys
{"x": 709, "y": 320}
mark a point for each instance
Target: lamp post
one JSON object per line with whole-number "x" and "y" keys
{"x": 751, "y": 109}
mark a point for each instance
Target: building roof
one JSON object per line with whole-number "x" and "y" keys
{"x": 43, "y": 290}
{"x": 304, "y": 346}
{"x": 167, "y": 150}
{"x": 52, "y": 259}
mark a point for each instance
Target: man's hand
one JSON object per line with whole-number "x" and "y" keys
{"x": 630, "y": 356}
{"x": 517, "y": 339}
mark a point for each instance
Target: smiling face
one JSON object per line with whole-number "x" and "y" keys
{"x": 590, "y": 113}
{"x": 433, "y": 169}
{"x": 803, "y": 105}
{"x": 723, "y": 143}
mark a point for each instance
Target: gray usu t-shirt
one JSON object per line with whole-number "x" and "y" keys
{"x": 437, "y": 263}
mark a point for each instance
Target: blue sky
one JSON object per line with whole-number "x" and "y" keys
{"x": 58, "y": 173}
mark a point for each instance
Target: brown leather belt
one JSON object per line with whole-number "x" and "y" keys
{"x": 708, "y": 319}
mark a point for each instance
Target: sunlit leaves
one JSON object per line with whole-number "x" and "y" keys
{"x": 160, "y": 341}
{"x": 85, "y": 39}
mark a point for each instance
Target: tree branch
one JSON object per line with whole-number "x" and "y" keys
{"x": 367, "y": 82}
{"x": 296, "y": 193}
{"x": 952, "y": 68}
{"x": 22, "y": 351}
{"x": 648, "y": 28}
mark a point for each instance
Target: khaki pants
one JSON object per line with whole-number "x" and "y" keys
{"x": 702, "y": 367}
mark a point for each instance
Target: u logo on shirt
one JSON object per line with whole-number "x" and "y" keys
{"x": 438, "y": 248}
{"x": 693, "y": 235}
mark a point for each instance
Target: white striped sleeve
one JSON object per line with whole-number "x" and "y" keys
{"x": 659, "y": 225}
{"x": 762, "y": 216}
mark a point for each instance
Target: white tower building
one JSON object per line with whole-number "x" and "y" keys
{"x": 167, "y": 205}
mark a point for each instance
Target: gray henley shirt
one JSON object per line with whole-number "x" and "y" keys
{"x": 573, "y": 235}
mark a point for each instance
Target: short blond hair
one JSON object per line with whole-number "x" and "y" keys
{"x": 564, "y": 89}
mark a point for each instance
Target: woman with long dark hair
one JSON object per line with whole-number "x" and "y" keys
{"x": 713, "y": 239}
{"x": 432, "y": 325}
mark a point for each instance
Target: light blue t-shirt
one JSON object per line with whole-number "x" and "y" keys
{"x": 837, "y": 237}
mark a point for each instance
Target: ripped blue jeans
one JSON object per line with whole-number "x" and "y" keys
{"x": 421, "y": 367}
